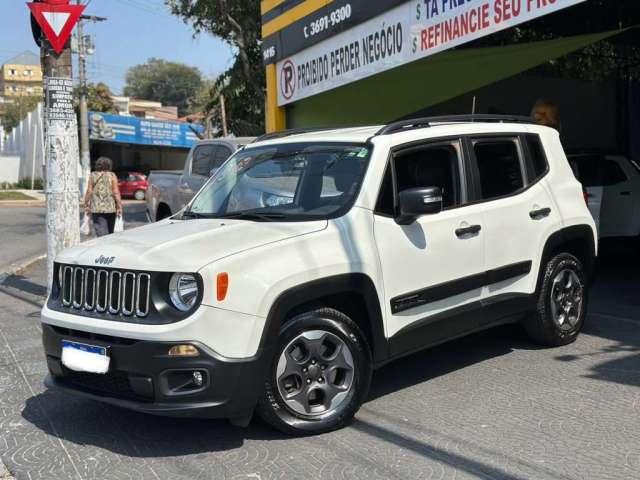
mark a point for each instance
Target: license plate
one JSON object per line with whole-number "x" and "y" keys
{"x": 81, "y": 357}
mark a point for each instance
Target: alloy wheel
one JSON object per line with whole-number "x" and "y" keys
{"x": 315, "y": 373}
{"x": 567, "y": 295}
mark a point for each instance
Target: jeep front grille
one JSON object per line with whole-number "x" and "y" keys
{"x": 105, "y": 291}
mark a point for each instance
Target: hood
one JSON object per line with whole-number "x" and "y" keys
{"x": 182, "y": 246}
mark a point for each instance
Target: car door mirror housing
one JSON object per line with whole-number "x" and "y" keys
{"x": 417, "y": 202}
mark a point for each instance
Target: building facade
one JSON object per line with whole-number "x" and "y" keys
{"x": 21, "y": 76}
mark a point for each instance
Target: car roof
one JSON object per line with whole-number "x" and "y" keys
{"x": 363, "y": 134}
{"x": 237, "y": 141}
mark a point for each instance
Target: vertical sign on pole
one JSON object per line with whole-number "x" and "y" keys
{"x": 57, "y": 18}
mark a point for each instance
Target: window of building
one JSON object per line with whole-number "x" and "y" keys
{"x": 499, "y": 167}
{"x": 12, "y": 71}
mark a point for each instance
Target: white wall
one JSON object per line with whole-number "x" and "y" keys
{"x": 26, "y": 143}
{"x": 9, "y": 168}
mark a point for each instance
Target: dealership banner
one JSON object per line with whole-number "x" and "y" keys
{"x": 406, "y": 33}
{"x": 141, "y": 131}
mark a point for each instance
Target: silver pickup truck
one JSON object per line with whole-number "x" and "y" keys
{"x": 170, "y": 191}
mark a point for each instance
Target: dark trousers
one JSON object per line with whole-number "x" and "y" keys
{"x": 103, "y": 223}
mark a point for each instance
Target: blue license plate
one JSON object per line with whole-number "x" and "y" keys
{"x": 83, "y": 347}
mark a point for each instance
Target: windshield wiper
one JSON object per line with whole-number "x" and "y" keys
{"x": 254, "y": 216}
{"x": 191, "y": 214}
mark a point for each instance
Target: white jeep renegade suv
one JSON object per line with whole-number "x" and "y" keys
{"x": 313, "y": 257}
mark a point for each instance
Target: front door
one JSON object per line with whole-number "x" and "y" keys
{"x": 433, "y": 267}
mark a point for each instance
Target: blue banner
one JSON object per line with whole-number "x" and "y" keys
{"x": 142, "y": 131}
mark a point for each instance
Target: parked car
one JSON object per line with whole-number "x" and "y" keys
{"x": 612, "y": 184}
{"x": 171, "y": 191}
{"x": 310, "y": 259}
{"x": 132, "y": 184}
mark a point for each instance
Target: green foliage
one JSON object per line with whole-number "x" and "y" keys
{"x": 16, "y": 110}
{"x": 25, "y": 184}
{"x": 237, "y": 22}
{"x": 173, "y": 84}
{"x": 99, "y": 98}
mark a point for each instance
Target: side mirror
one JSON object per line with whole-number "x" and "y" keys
{"x": 416, "y": 202}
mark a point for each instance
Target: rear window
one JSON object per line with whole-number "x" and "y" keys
{"x": 537, "y": 156}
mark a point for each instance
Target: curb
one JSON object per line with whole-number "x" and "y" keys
{"x": 12, "y": 271}
{"x": 4, "y": 472}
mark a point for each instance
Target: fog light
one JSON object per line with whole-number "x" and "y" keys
{"x": 198, "y": 379}
{"x": 183, "y": 351}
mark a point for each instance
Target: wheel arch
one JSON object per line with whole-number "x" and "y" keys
{"x": 578, "y": 240}
{"x": 163, "y": 211}
{"x": 353, "y": 294}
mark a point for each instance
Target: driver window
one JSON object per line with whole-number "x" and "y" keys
{"x": 433, "y": 166}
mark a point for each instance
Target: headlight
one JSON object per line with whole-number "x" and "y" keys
{"x": 270, "y": 200}
{"x": 183, "y": 291}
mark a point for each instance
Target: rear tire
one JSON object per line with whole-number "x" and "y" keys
{"x": 562, "y": 302}
{"x": 319, "y": 376}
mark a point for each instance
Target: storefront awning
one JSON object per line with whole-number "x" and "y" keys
{"x": 418, "y": 85}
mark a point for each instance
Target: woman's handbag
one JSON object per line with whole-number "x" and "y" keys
{"x": 85, "y": 227}
{"x": 119, "y": 225}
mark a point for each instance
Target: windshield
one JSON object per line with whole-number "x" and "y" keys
{"x": 295, "y": 181}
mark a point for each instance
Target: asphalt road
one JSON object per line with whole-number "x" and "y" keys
{"x": 488, "y": 406}
{"x": 22, "y": 235}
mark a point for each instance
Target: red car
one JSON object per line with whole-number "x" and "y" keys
{"x": 132, "y": 184}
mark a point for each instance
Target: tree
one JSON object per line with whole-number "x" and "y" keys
{"x": 99, "y": 98}
{"x": 237, "y": 22}
{"x": 16, "y": 110}
{"x": 173, "y": 84}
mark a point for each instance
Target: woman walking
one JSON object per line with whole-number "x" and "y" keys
{"x": 103, "y": 200}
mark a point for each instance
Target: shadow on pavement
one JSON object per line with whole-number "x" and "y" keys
{"x": 614, "y": 313}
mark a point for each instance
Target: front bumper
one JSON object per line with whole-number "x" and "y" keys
{"x": 144, "y": 378}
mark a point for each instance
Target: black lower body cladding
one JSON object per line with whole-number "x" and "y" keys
{"x": 144, "y": 378}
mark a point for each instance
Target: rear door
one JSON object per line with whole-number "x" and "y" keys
{"x": 518, "y": 211}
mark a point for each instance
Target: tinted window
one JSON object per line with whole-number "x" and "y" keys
{"x": 385, "y": 198}
{"x": 434, "y": 166}
{"x": 586, "y": 169}
{"x": 202, "y": 160}
{"x": 499, "y": 168}
{"x": 613, "y": 174}
{"x": 220, "y": 156}
{"x": 537, "y": 155}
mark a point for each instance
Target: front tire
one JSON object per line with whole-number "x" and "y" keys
{"x": 562, "y": 302}
{"x": 319, "y": 376}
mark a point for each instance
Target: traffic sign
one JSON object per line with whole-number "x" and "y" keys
{"x": 57, "y": 19}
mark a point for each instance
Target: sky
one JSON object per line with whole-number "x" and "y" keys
{"x": 135, "y": 31}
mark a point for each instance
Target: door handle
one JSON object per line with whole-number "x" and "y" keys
{"x": 540, "y": 214}
{"x": 625, "y": 194}
{"x": 468, "y": 231}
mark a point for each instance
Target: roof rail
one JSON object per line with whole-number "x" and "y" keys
{"x": 427, "y": 122}
{"x": 290, "y": 132}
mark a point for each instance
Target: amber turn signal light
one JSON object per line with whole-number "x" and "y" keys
{"x": 222, "y": 285}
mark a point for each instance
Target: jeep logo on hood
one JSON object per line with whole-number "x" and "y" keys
{"x": 102, "y": 260}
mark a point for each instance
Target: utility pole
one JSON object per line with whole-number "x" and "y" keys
{"x": 85, "y": 149}
{"x": 61, "y": 150}
{"x": 85, "y": 157}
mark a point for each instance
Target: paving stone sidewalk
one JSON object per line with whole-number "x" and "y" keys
{"x": 488, "y": 406}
